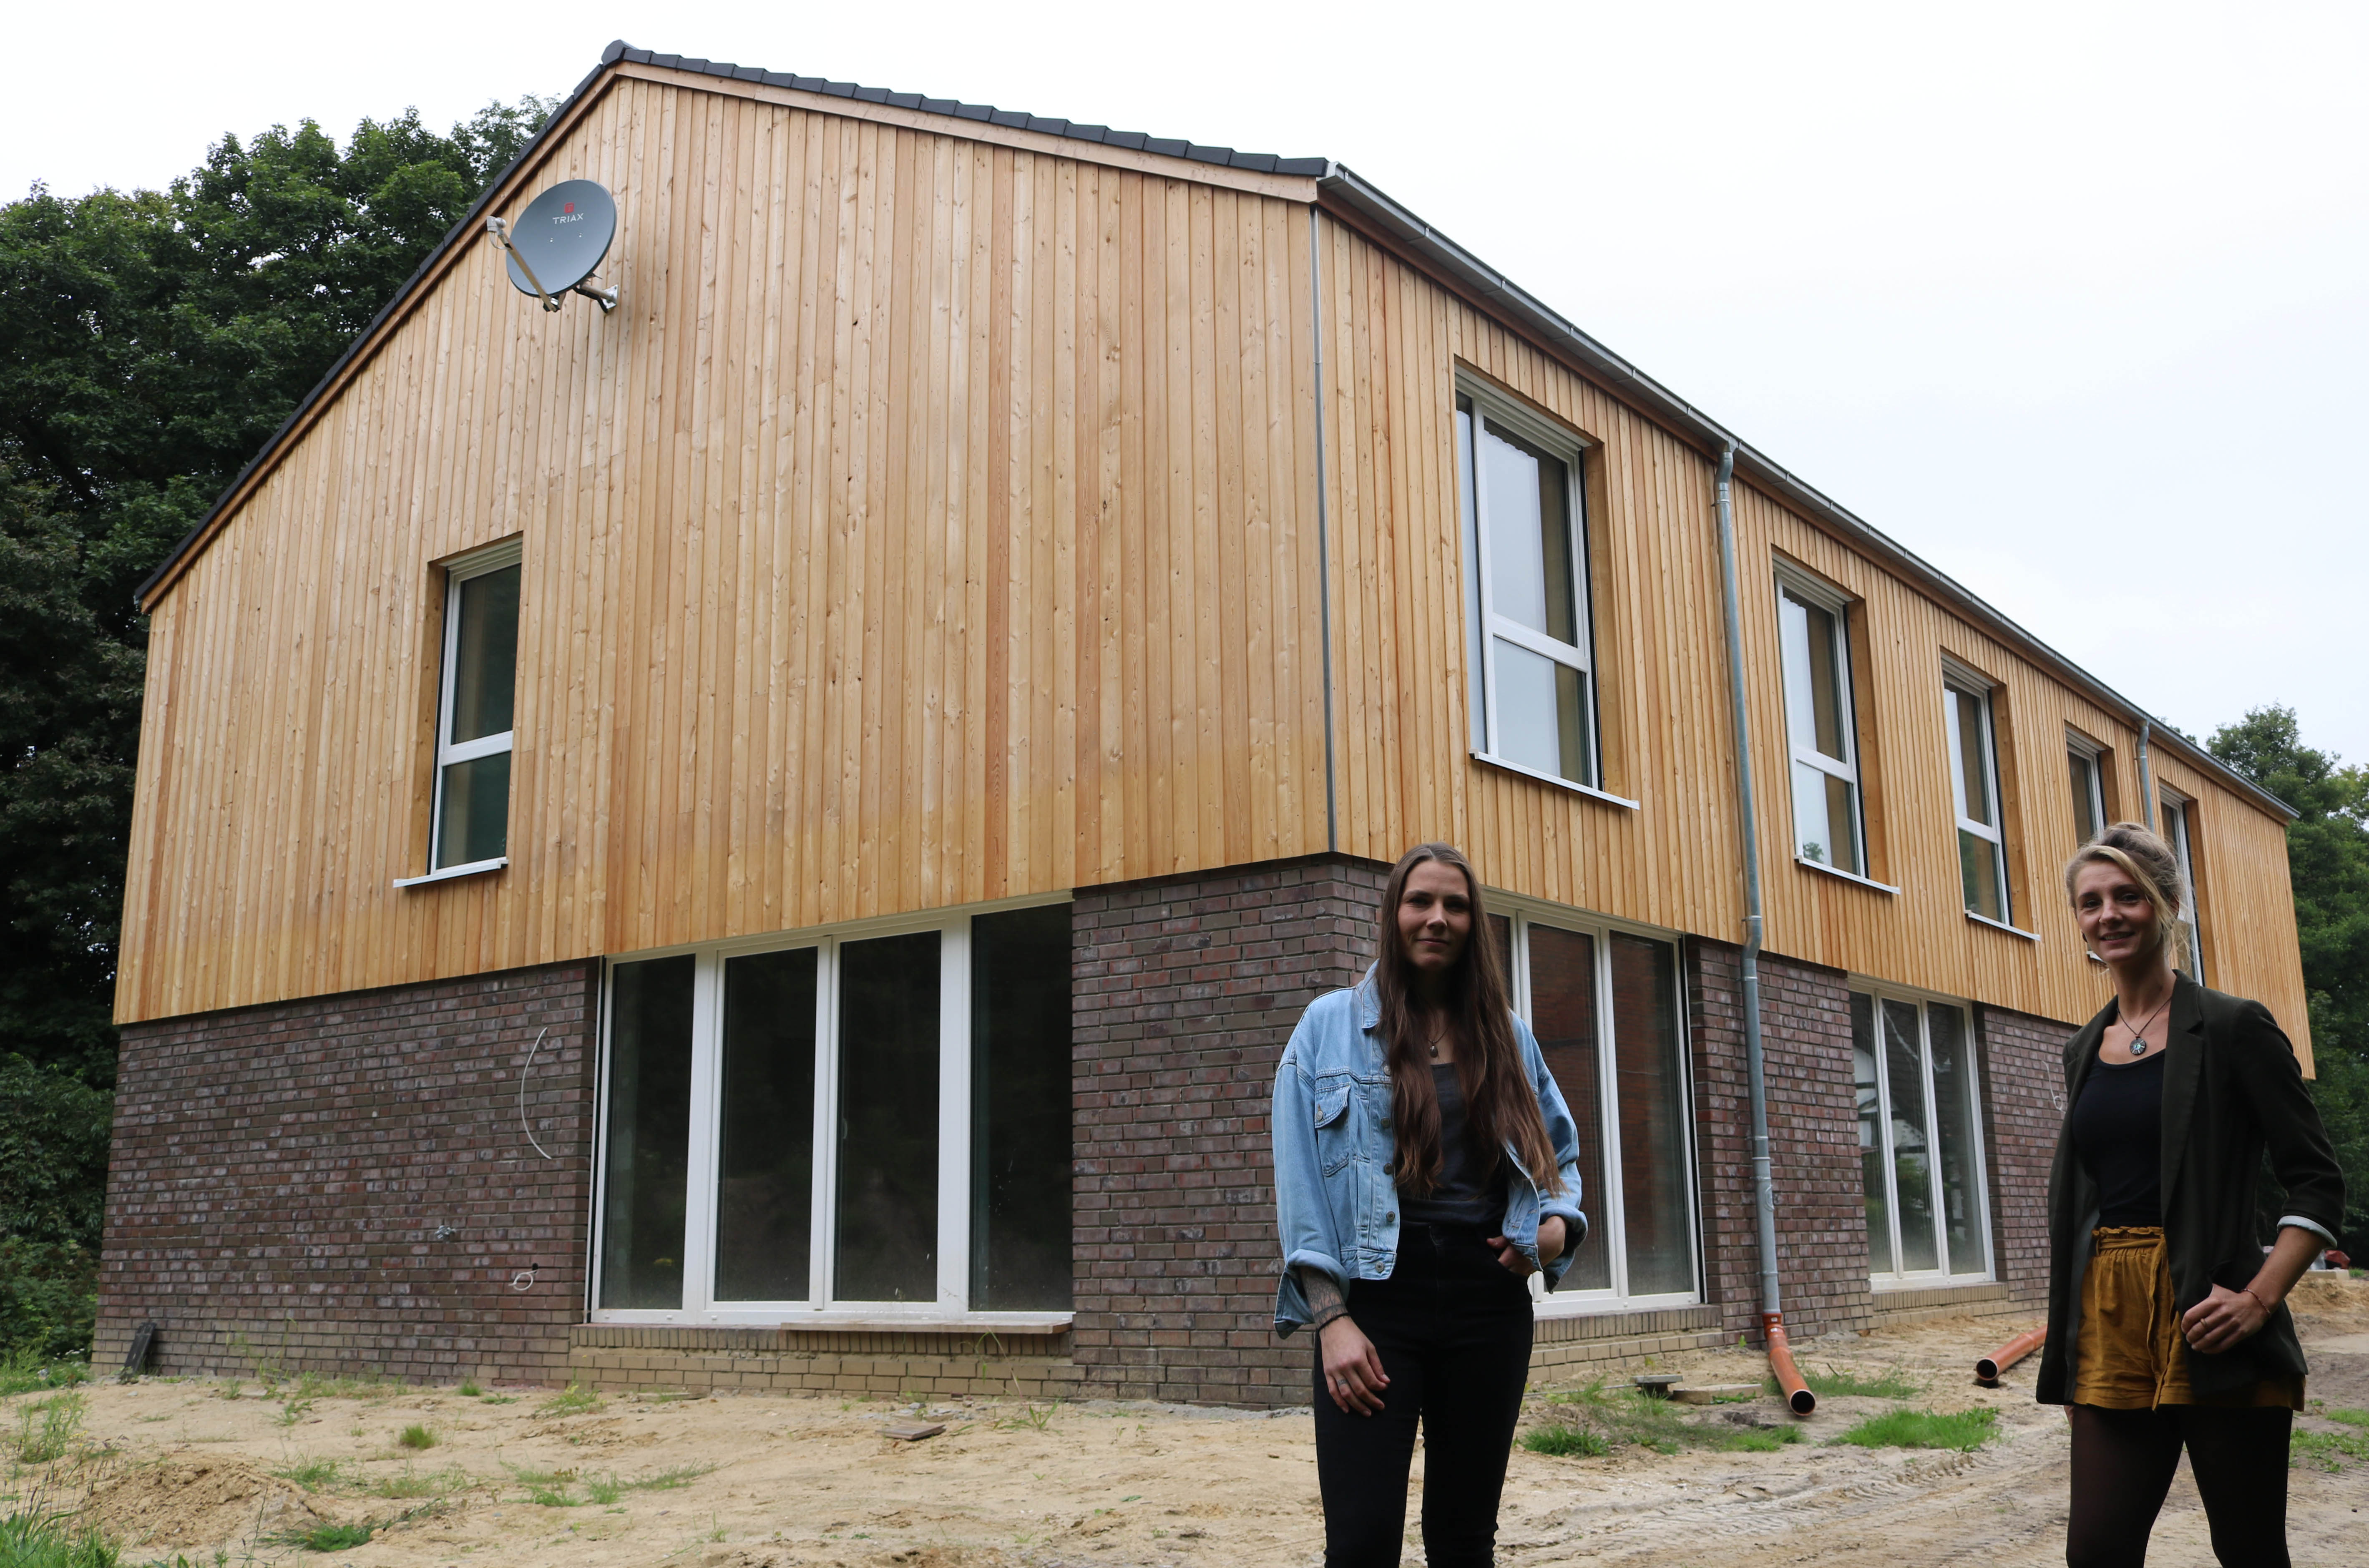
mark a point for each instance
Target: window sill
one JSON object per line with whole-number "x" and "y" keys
{"x": 1561, "y": 782}
{"x": 1823, "y": 867}
{"x": 453, "y": 873}
{"x": 1884, "y": 1284}
{"x": 932, "y": 1320}
{"x": 2002, "y": 925}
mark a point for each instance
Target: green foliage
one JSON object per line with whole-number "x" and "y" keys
{"x": 2328, "y": 859}
{"x": 1630, "y": 1415}
{"x": 1892, "y": 1383}
{"x": 328, "y": 1538}
{"x": 27, "y": 1372}
{"x": 44, "y": 1541}
{"x": 469, "y": 1389}
{"x": 1759, "y": 1439}
{"x": 1564, "y": 1442}
{"x": 416, "y": 1437}
{"x": 577, "y": 1400}
{"x": 54, "y": 1134}
{"x": 47, "y": 1428}
{"x": 312, "y": 1475}
{"x": 1924, "y": 1430}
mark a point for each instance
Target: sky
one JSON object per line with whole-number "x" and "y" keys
{"x": 2072, "y": 300}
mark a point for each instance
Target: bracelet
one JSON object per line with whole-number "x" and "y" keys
{"x": 1327, "y": 1313}
{"x": 2267, "y": 1309}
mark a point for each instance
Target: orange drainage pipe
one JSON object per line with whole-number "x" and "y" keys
{"x": 1987, "y": 1370}
{"x": 1781, "y": 1361}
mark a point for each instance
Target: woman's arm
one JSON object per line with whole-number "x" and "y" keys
{"x": 2227, "y": 1317}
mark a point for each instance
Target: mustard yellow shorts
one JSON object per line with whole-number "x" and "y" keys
{"x": 2131, "y": 1353}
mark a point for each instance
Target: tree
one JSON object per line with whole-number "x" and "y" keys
{"x": 150, "y": 344}
{"x": 2328, "y": 857}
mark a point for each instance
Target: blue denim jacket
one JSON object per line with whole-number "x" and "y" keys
{"x": 1335, "y": 1201}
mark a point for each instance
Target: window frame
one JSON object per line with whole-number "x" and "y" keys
{"x": 1483, "y": 625}
{"x": 1606, "y": 1208}
{"x": 2176, "y": 818}
{"x": 462, "y": 569}
{"x": 1957, "y": 680}
{"x": 1833, "y": 602}
{"x": 2091, "y": 756}
{"x": 1882, "y": 991}
{"x": 705, "y": 1150}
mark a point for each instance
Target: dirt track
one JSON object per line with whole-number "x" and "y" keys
{"x": 170, "y": 1467}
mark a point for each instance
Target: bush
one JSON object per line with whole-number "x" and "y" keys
{"x": 53, "y": 1133}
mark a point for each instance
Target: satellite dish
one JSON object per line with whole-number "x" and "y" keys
{"x": 563, "y": 235}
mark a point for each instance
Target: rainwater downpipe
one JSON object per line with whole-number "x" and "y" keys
{"x": 1764, "y": 1197}
{"x": 2147, "y": 776}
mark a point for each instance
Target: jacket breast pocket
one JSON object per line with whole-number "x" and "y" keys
{"x": 1336, "y": 1143}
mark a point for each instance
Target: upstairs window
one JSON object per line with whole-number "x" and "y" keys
{"x": 2088, "y": 787}
{"x": 1813, "y": 629}
{"x": 1528, "y": 638}
{"x": 474, "y": 714}
{"x": 1973, "y": 788}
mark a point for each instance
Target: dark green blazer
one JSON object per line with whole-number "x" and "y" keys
{"x": 2231, "y": 1088}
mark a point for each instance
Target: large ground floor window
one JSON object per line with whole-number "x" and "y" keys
{"x": 1604, "y": 1004}
{"x": 873, "y": 1123}
{"x": 1920, "y": 1139}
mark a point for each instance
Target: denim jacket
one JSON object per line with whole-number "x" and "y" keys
{"x": 1335, "y": 1201}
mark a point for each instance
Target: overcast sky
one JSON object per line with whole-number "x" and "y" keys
{"x": 2071, "y": 300}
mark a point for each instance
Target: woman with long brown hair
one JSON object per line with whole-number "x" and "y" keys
{"x": 2167, "y": 1320}
{"x": 1425, "y": 1167}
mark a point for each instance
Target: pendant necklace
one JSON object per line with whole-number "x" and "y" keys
{"x": 2138, "y": 1047}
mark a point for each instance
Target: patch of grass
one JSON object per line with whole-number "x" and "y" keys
{"x": 2332, "y": 1451}
{"x": 604, "y": 1492}
{"x": 668, "y": 1480}
{"x": 293, "y": 1411}
{"x": 1630, "y": 1415}
{"x": 325, "y": 1537}
{"x": 577, "y": 1400}
{"x": 1758, "y": 1439}
{"x": 1959, "y": 1429}
{"x": 411, "y": 1484}
{"x": 1031, "y": 1417}
{"x": 312, "y": 1475}
{"x": 40, "y": 1441}
{"x": 499, "y": 1399}
{"x": 416, "y": 1437}
{"x": 1564, "y": 1442}
{"x": 550, "y": 1488}
{"x": 1891, "y": 1383}
{"x": 42, "y": 1540}
{"x": 469, "y": 1389}
{"x": 2349, "y": 1417}
{"x": 25, "y": 1372}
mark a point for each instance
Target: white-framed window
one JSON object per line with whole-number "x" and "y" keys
{"x": 2176, "y": 817}
{"x": 1973, "y": 790}
{"x": 1920, "y": 1137}
{"x": 1607, "y": 1006}
{"x": 2085, "y": 760}
{"x": 1821, "y": 723}
{"x": 868, "y": 1122}
{"x": 1528, "y": 644}
{"x": 473, "y": 733}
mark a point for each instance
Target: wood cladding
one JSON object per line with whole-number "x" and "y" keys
{"x": 937, "y": 522}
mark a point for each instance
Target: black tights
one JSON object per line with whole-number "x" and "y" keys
{"x": 2122, "y": 1465}
{"x": 1453, "y": 1328}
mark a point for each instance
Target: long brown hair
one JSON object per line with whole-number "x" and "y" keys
{"x": 1500, "y": 1105}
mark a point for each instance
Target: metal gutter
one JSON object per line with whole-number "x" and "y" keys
{"x": 1342, "y": 190}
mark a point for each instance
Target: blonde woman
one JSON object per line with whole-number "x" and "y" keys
{"x": 2166, "y": 1322}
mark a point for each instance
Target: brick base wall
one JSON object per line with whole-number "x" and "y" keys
{"x": 1805, "y": 1036}
{"x": 2023, "y": 1105}
{"x": 280, "y": 1173}
{"x": 1186, "y": 989}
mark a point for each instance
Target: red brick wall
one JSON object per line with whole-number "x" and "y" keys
{"x": 1186, "y": 991}
{"x": 2023, "y": 1094}
{"x": 280, "y": 1174}
{"x": 1813, "y": 1142}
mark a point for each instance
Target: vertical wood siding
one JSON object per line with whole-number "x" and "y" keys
{"x": 1394, "y": 340}
{"x": 934, "y": 523}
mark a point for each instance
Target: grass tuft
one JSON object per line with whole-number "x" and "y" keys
{"x": 1758, "y": 1439}
{"x": 416, "y": 1437}
{"x": 26, "y": 1373}
{"x": 1833, "y": 1383}
{"x": 469, "y": 1389}
{"x": 312, "y": 1475}
{"x": 411, "y": 1484}
{"x": 577, "y": 1400}
{"x": 1565, "y": 1442}
{"x": 326, "y": 1537}
{"x": 42, "y": 1540}
{"x": 38, "y": 1442}
{"x": 1959, "y": 1429}
{"x": 2332, "y": 1451}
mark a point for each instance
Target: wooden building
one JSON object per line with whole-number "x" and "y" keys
{"x": 773, "y": 837}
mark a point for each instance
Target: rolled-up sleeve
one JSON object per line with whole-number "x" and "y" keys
{"x": 1304, "y": 1219}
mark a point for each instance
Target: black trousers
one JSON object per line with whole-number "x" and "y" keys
{"x": 1452, "y": 1326}
{"x": 2122, "y": 1465}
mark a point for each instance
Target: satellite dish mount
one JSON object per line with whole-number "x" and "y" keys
{"x": 563, "y": 235}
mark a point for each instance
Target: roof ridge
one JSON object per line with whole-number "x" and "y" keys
{"x": 955, "y": 109}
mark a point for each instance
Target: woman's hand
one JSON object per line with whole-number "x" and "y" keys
{"x": 2222, "y": 1319}
{"x": 1552, "y": 1233}
{"x": 1352, "y": 1368}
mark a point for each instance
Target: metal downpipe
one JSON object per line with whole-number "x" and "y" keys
{"x": 1764, "y": 1196}
{"x": 2147, "y": 776}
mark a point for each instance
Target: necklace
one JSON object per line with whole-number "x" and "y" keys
{"x": 2138, "y": 1047}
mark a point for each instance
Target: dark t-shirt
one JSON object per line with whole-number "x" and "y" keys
{"x": 1473, "y": 1183}
{"x": 2118, "y": 1133}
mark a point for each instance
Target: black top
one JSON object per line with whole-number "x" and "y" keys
{"x": 2232, "y": 1090}
{"x": 1472, "y": 1186}
{"x": 2117, "y": 1129}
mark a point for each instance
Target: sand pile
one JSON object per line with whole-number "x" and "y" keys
{"x": 195, "y": 1502}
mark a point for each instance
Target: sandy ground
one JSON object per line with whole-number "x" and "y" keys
{"x": 168, "y": 1467}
